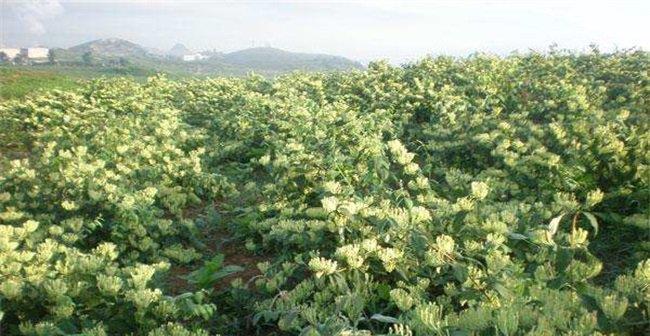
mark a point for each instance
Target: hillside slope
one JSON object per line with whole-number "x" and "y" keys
{"x": 282, "y": 60}
{"x": 178, "y": 50}
{"x": 111, "y": 47}
{"x": 265, "y": 61}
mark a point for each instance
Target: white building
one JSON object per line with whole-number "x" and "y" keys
{"x": 193, "y": 57}
{"x": 35, "y": 53}
{"x": 10, "y": 52}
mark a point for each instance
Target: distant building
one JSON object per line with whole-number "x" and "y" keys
{"x": 194, "y": 57}
{"x": 35, "y": 53}
{"x": 10, "y": 52}
{"x": 31, "y": 55}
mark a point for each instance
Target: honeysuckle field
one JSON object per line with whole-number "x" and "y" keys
{"x": 452, "y": 196}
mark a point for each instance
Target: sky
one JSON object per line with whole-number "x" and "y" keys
{"x": 362, "y": 30}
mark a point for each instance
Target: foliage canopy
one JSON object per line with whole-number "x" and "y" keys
{"x": 474, "y": 196}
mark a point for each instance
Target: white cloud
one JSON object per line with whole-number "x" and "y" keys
{"x": 33, "y": 13}
{"x": 364, "y": 30}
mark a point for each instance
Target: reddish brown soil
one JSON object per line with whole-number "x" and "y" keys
{"x": 234, "y": 252}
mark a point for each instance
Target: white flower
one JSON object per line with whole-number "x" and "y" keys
{"x": 332, "y": 187}
{"x": 351, "y": 254}
{"x": 402, "y": 299}
{"x": 400, "y": 153}
{"x": 350, "y": 208}
{"x": 411, "y": 168}
{"x": 330, "y": 203}
{"x": 144, "y": 297}
{"x": 127, "y": 202}
{"x": 69, "y": 205}
{"x": 322, "y": 266}
{"x": 109, "y": 285}
{"x": 10, "y": 289}
{"x": 150, "y": 192}
{"x": 389, "y": 257}
{"x": 419, "y": 214}
{"x": 107, "y": 250}
{"x": 264, "y": 160}
{"x": 594, "y": 197}
{"x": 369, "y": 245}
{"x": 445, "y": 244}
{"x": 141, "y": 274}
{"x": 30, "y": 225}
{"x": 613, "y": 306}
{"x": 480, "y": 190}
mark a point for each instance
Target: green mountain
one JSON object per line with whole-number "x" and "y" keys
{"x": 281, "y": 60}
{"x": 111, "y": 47}
{"x": 178, "y": 50}
{"x": 115, "y": 52}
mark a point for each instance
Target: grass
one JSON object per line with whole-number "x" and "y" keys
{"x": 16, "y": 83}
{"x": 19, "y": 81}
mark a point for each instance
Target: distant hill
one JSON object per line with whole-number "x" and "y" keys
{"x": 111, "y": 47}
{"x": 266, "y": 61}
{"x": 178, "y": 50}
{"x": 282, "y": 60}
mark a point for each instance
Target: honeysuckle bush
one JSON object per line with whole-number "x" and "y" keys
{"x": 93, "y": 188}
{"x": 452, "y": 196}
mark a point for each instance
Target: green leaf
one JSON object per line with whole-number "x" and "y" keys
{"x": 505, "y": 292}
{"x": 383, "y": 318}
{"x": 517, "y": 236}
{"x": 226, "y": 271}
{"x": 212, "y": 271}
{"x": 563, "y": 259}
{"x": 460, "y": 333}
{"x": 592, "y": 221}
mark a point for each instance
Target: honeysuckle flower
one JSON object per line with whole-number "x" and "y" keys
{"x": 479, "y": 190}
{"x": 332, "y": 187}
{"x": 69, "y": 205}
{"x": 141, "y": 274}
{"x": 351, "y": 254}
{"x": 350, "y": 208}
{"x": 613, "y": 306}
{"x": 322, "y": 267}
{"x": 30, "y": 225}
{"x": 10, "y": 289}
{"x": 330, "y": 203}
{"x": 265, "y": 160}
{"x": 594, "y": 197}
{"x": 402, "y": 299}
{"x": 419, "y": 214}
{"x": 445, "y": 244}
{"x": 389, "y": 257}
{"x": 109, "y": 285}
